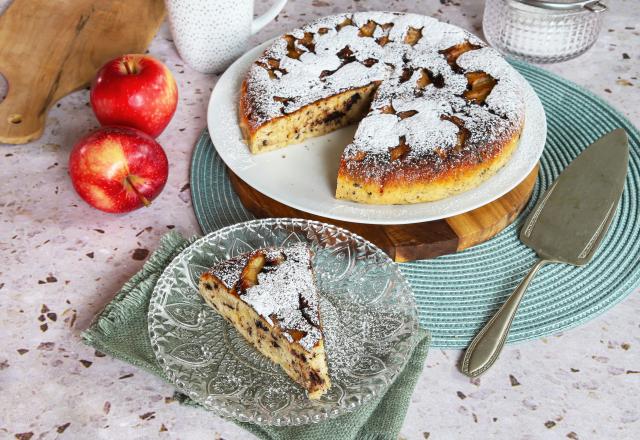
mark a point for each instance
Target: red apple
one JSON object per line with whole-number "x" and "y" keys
{"x": 118, "y": 169}
{"x": 135, "y": 91}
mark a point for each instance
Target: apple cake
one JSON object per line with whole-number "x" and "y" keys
{"x": 439, "y": 112}
{"x": 270, "y": 297}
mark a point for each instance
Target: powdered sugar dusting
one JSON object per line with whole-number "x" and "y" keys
{"x": 289, "y": 294}
{"x": 379, "y": 132}
{"x": 286, "y": 292}
{"x": 397, "y": 52}
{"x": 302, "y": 83}
{"x": 426, "y": 129}
{"x": 229, "y": 271}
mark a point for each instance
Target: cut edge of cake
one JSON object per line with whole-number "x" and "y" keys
{"x": 316, "y": 119}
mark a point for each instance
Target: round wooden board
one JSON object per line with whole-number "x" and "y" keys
{"x": 416, "y": 241}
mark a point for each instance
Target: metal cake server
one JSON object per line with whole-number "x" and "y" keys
{"x": 566, "y": 226}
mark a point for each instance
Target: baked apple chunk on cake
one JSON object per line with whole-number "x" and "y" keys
{"x": 270, "y": 297}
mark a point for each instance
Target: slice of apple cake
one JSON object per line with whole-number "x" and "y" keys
{"x": 270, "y": 297}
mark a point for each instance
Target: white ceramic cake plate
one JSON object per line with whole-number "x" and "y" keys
{"x": 303, "y": 176}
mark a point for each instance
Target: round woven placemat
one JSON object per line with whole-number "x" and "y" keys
{"x": 456, "y": 294}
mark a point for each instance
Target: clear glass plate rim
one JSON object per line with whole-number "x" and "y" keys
{"x": 224, "y": 408}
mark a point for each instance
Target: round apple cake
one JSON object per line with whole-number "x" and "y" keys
{"x": 439, "y": 112}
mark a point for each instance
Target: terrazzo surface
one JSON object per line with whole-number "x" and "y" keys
{"x": 61, "y": 261}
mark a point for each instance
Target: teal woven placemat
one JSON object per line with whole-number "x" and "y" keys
{"x": 457, "y": 293}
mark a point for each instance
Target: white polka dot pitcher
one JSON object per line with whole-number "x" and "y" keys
{"x": 210, "y": 34}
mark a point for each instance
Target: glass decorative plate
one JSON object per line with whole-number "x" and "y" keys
{"x": 368, "y": 312}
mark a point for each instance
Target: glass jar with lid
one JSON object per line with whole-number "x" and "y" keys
{"x": 542, "y": 31}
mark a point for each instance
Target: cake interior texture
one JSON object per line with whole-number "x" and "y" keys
{"x": 317, "y": 119}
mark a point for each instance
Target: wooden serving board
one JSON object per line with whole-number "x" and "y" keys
{"x": 416, "y": 241}
{"x": 49, "y": 49}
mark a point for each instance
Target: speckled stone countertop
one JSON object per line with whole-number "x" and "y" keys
{"x": 61, "y": 261}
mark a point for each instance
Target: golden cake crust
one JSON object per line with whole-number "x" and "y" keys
{"x": 421, "y": 182}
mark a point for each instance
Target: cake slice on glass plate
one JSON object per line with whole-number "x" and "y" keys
{"x": 270, "y": 297}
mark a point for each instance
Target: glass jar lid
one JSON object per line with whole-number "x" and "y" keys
{"x": 565, "y": 5}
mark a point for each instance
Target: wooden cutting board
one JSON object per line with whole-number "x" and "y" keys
{"x": 417, "y": 241}
{"x": 50, "y": 48}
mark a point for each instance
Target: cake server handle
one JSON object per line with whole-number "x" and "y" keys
{"x": 487, "y": 345}
{"x": 269, "y": 15}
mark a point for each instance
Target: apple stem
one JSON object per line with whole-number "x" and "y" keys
{"x": 142, "y": 198}
{"x": 129, "y": 67}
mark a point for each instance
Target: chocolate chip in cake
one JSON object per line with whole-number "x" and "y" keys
{"x": 345, "y": 53}
{"x": 315, "y": 379}
{"x": 370, "y": 62}
{"x": 406, "y": 74}
{"x": 352, "y": 100}
{"x": 261, "y": 326}
{"x": 333, "y": 116}
{"x": 437, "y": 80}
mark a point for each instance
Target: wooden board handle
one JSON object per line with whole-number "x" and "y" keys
{"x": 19, "y": 124}
{"x": 50, "y": 49}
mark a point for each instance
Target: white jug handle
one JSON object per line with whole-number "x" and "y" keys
{"x": 265, "y": 18}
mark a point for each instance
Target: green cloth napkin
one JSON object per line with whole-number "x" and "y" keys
{"x": 120, "y": 330}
